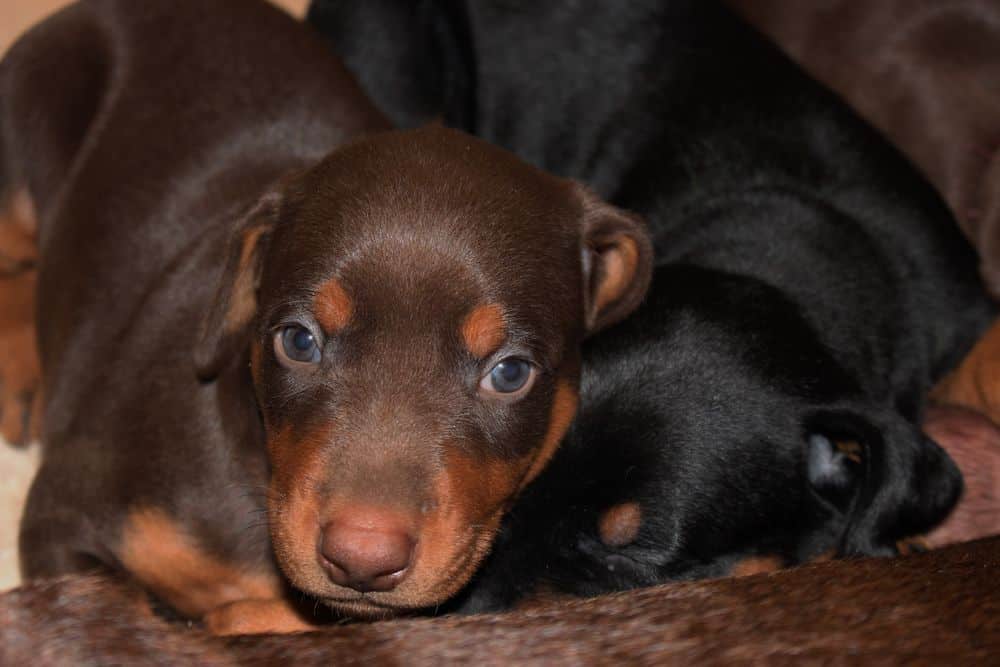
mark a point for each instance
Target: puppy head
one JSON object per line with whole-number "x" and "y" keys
{"x": 718, "y": 426}
{"x": 414, "y": 307}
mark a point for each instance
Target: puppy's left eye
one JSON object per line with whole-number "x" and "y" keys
{"x": 296, "y": 345}
{"x": 511, "y": 378}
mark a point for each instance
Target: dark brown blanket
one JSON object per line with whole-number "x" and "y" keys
{"x": 941, "y": 607}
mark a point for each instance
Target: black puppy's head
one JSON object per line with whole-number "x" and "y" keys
{"x": 715, "y": 427}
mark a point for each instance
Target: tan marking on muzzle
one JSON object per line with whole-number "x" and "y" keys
{"x": 293, "y": 501}
{"x": 564, "y": 405}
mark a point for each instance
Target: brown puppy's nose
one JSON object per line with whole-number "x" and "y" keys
{"x": 370, "y": 552}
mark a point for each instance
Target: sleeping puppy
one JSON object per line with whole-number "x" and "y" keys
{"x": 762, "y": 406}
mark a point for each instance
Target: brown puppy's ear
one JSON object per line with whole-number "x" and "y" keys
{"x": 617, "y": 262}
{"x": 224, "y": 327}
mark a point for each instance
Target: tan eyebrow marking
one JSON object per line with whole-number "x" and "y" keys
{"x": 484, "y": 329}
{"x": 332, "y": 306}
{"x": 619, "y": 525}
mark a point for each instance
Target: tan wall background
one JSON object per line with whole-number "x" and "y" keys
{"x": 16, "y": 16}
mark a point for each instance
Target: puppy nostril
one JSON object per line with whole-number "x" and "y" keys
{"x": 365, "y": 559}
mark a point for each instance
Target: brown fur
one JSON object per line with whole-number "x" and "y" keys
{"x": 757, "y": 565}
{"x": 167, "y": 561}
{"x": 941, "y": 607}
{"x": 560, "y": 417}
{"x": 249, "y": 616}
{"x": 243, "y": 300}
{"x": 216, "y": 178}
{"x": 619, "y": 271}
{"x": 20, "y": 374}
{"x": 18, "y": 227}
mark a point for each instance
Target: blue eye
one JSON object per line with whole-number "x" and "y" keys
{"x": 509, "y": 376}
{"x": 297, "y": 344}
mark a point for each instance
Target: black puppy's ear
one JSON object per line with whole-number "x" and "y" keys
{"x": 892, "y": 480}
{"x": 617, "y": 261}
{"x": 224, "y": 327}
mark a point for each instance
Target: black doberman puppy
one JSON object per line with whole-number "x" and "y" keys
{"x": 762, "y": 407}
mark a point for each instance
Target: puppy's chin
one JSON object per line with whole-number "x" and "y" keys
{"x": 363, "y": 609}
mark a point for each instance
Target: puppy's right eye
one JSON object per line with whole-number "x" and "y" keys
{"x": 511, "y": 378}
{"x": 295, "y": 344}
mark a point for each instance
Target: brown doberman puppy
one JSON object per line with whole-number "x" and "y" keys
{"x": 941, "y": 607}
{"x": 384, "y": 341}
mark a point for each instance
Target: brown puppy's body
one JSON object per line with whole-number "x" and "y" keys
{"x": 925, "y": 73}
{"x": 136, "y": 170}
{"x": 386, "y": 340}
{"x": 941, "y": 607}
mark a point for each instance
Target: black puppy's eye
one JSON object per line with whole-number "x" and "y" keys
{"x": 296, "y": 344}
{"x": 511, "y": 376}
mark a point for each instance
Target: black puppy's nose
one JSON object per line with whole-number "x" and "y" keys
{"x": 373, "y": 556}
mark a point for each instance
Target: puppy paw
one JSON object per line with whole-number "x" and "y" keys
{"x": 18, "y": 244}
{"x": 255, "y": 617}
{"x": 20, "y": 372}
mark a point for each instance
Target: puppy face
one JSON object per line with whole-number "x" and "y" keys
{"x": 414, "y": 325}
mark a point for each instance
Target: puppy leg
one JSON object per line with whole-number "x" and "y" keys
{"x": 20, "y": 374}
{"x": 255, "y": 617}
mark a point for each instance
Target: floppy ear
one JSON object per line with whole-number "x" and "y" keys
{"x": 617, "y": 261}
{"x": 895, "y": 484}
{"x": 224, "y": 327}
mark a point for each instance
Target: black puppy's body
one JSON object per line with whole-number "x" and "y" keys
{"x": 809, "y": 289}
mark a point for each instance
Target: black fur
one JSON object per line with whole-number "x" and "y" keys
{"x": 810, "y": 286}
